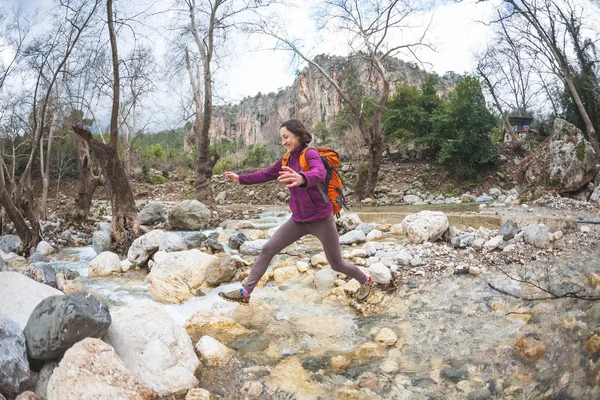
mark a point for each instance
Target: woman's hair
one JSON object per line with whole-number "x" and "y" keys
{"x": 298, "y": 129}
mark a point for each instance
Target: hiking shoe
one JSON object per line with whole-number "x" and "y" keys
{"x": 365, "y": 290}
{"x": 235, "y": 296}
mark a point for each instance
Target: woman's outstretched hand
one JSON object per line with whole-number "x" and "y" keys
{"x": 290, "y": 177}
{"x": 232, "y": 177}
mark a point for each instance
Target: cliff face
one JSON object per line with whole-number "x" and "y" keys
{"x": 311, "y": 98}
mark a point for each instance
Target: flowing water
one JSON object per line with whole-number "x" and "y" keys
{"x": 455, "y": 334}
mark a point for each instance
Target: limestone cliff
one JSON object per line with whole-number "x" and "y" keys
{"x": 311, "y": 98}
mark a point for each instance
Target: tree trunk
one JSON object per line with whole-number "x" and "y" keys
{"x": 125, "y": 226}
{"x": 87, "y": 181}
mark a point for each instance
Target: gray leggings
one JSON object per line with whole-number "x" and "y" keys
{"x": 291, "y": 231}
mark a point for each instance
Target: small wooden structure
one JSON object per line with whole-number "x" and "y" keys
{"x": 520, "y": 126}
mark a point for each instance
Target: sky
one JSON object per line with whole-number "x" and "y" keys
{"x": 252, "y": 65}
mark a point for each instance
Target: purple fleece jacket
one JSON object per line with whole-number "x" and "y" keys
{"x": 306, "y": 202}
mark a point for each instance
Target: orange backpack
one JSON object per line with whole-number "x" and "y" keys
{"x": 333, "y": 181}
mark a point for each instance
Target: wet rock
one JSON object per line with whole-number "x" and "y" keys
{"x": 236, "y": 240}
{"x": 592, "y": 345}
{"x": 509, "y": 230}
{"x": 44, "y": 248}
{"x": 325, "y": 278}
{"x": 19, "y": 295}
{"x": 289, "y": 376}
{"x": 92, "y": 369}
{"x": 153, "y": 213}
{"x": 425, "y": 226}
{"x": 176, "y": 277}
{"x": 354, "y": 236}
{"x": 190, "y": 215}
{"x": 256, "y": 315}
{"x": 537, "y": 235}
{"x": 282, "y": 275}
{"x": 101, "y": 241}
{"x": 253, "y": 342}
{"x": 14, "y": 366}
{"x": 252, "y": 248}
{"x": 193, "y": 240}
{"x": 212, "y": 352}
{"x": 386, "y": 337}
{"x": 251, "y": 390}
{"x": 529, "y": 350}
{"x": 10, "y": 243}
{"x": 339, "y": 363}
{"x": 198, "y": 394}
{"x": 36, "y": 258}
{"x": 104, "y": 264}
{"x": 41, "y": 272}
{"x": 454, "y": 373}
{"x": 220, "y": 327}
{"x": 380, "y": 273}
{"x": 222, "y": 270}
{"x": 172, "y": 242}
{"x": 154, "y": 347}
{"x": 144, "y": 247}
{"x": 58, "y": 322}
{"x": 214, "y": 245}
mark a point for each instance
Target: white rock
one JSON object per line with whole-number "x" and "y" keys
{"x": 19, "y": 295}
{"x": 154, "y": 347}
{"x": 143, "y": 247}
{"x": 425, "y": 226}
{"x": 91, "y": 369}
{"x": 380, "y": 273}
{"x": 104, "y": 264}
{"x": 172, "y": 242}
{"x": 213, "y": 352}
{"x": 375, "y": 234}
{"x": 493, "y": 243}
{"x": 355, "y": 236}
{"x": 44, "y": 248}
{"x": 478, "y": 243}
{"x": 386, "y": 337}
{"x": 175, "y": 277}
{"x": 126, "y": 265}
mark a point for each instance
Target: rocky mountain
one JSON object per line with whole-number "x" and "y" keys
{"x": 311, "y": 98}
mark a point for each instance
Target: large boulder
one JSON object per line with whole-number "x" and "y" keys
{"x": 189, "y": 215}
{"x": 44, "y": 248}
{"x": 537, "y": 235}
{"x": 91, "y": 369}
{"x": 425, "y": 226}
{"x": 58, "y": 322}
{"x": 565, "y": 163}
{"x": 153, "y": 213}
{"x": 176, "y": 277}
{"x": 104, "y": 264}
{"x": 218, "y": 326}
{"x": 172, "y": 242}
{"x": 41, "y": 272}
{"x": 144, "y": 247}
{"x": 19, "y": 295}
{"x": 509, "y": 230}
{"x": 14, "y": 366}
{"x": 10, "y": 243}
{"x": 154, "y": 347}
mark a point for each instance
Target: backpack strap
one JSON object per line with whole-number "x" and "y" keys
{"x": 305, "y": 167}
{"x": 285, "y": 159}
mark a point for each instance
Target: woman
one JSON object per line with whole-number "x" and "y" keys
{"x": 310, "y": 213}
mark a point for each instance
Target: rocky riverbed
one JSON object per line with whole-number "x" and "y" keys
{"x": 457, "y": 312}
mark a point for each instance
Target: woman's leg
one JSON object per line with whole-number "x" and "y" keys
{"x": 287, "y": 234}
{"x": 327, "y": 233}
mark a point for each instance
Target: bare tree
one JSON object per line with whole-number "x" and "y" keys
{"x": 125, "y": 225}
{"x": 540, "y": 30}
{"x": 138, "y": 82}
{"x": 208, "y": 25}
{"x": 371, "y": 27}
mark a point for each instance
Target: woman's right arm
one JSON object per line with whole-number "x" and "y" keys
{"x": 266, "y": 175}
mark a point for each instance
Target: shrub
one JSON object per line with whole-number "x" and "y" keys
{"x": 256, "y": 155}
{"x": 224, "y": 164}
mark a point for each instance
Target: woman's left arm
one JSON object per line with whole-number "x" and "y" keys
{"x": 317, "y": 172}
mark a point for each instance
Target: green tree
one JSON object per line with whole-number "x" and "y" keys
{"x": 461, "y": 130}
{"x": 256, "y": 155}
{"x": 410, "y": 111}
